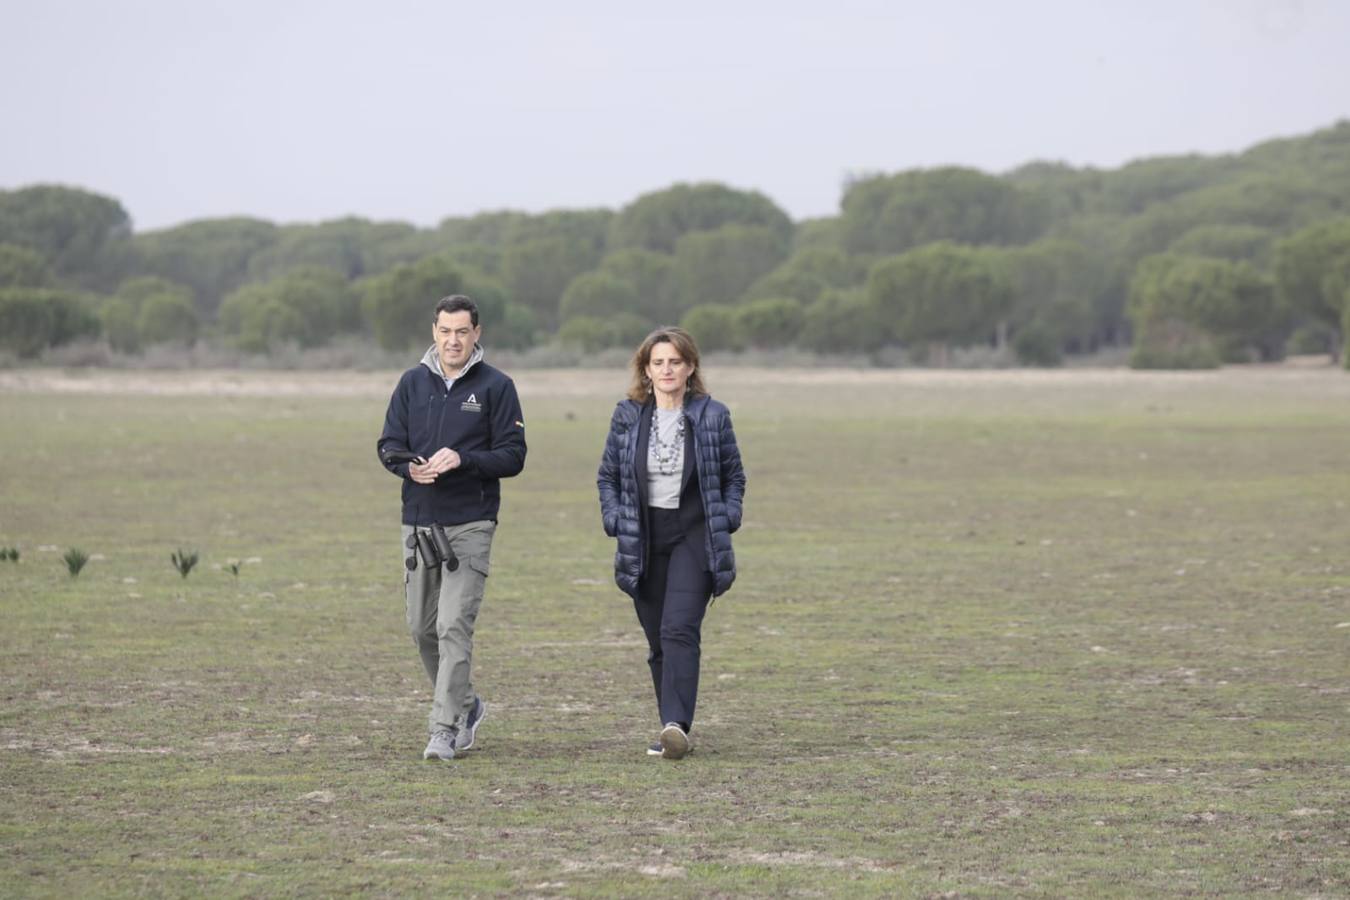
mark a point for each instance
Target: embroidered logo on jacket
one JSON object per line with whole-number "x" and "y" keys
{"x": 471, "y": 404}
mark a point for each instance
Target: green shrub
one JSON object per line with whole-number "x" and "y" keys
{"x": 842, "y": 321}
{"x": 1310, "y": 339}
{"x": 592, "y": 333}
{"x": 770, "y": 322}
{"x": 183, "y": 561}
{"x": 713, "y": 326}
{"x": 75, "y": 558}
{"x": 398, "y": 304}
{"x": 517, "y": 329}
{"x": 138, "y": 290}
{"x": 120, "y": 325}
{"x": 1038, "y": 345}
{"x": 73, "y": 317}
{"x": 167, "y": 318}
{"x": 597, "y": 294}
{"x": 22, "y": 267}
{"x": 32, "y": 319}
{"x": 1171, "y": 343}
{"x": 267, "y": 322}
{"x": 1194, "y": 357}
{"x": 26, "y": 322}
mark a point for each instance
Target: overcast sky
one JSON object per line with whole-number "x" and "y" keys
{"x": 303, "y": 111}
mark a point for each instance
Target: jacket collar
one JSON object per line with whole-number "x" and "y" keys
{"x": 432, "y": 360}
{"x": 693, "y": 406}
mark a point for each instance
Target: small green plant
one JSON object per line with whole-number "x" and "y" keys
{"x": 9, "y": 554}
{"x": 232, "y": 566}
{"x": 75, "y": 559}
{"x": 183, "y": 561}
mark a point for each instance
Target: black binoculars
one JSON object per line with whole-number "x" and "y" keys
{"x": 393, "y": 457}
{"x": 433, "y": 546}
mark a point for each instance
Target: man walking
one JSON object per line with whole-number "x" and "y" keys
{"x": 453, "y": 429}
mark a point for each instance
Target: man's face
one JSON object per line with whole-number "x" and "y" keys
{"x": 455, "y": 336}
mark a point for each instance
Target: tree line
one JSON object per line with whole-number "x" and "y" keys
{"x": 1189, "y": 261}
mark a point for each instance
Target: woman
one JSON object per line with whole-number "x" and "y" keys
{"x": 671, "y": 485}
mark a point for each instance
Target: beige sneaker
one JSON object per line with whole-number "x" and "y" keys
{"x": 674, "y": 742}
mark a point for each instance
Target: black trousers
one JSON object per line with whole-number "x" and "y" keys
{"x": 673, "y": 595}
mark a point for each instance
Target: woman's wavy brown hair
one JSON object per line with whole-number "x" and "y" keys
{"x": 641, "y": 387}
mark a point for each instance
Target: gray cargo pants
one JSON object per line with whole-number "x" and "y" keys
{"x": 442, "y": 609}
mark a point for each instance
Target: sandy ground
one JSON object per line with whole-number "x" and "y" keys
{"x": 1314, "y": 372}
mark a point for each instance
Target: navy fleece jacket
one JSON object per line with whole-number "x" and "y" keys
{"x": 478, "y": 417}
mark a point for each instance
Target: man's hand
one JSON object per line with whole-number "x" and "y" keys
{"x": 443, "y": 460}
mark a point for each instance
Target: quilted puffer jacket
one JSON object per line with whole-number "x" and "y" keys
{"x": 721, "y": 481}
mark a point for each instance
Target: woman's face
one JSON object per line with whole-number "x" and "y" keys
{"x": 667, "y": 369}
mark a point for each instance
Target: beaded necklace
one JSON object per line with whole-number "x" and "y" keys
{"x": 669, "y": 457}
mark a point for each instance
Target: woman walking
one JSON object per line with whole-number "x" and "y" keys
{"x": 671, "y": 485}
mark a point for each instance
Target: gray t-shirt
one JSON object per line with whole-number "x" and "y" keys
{"x": 665, "y": 458}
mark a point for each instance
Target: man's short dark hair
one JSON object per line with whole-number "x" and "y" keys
{"x": 456, "y": 303}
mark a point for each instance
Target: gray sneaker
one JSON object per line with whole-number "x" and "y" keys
{"x": 674, "y": 742}
{"x": 441, "y": 746}
{"x": 464, "y": 739}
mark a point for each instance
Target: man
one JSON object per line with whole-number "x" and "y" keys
{"x": 454, "y": 429}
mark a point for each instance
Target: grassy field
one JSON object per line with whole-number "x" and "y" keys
{"x": 1079, "y": 633}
